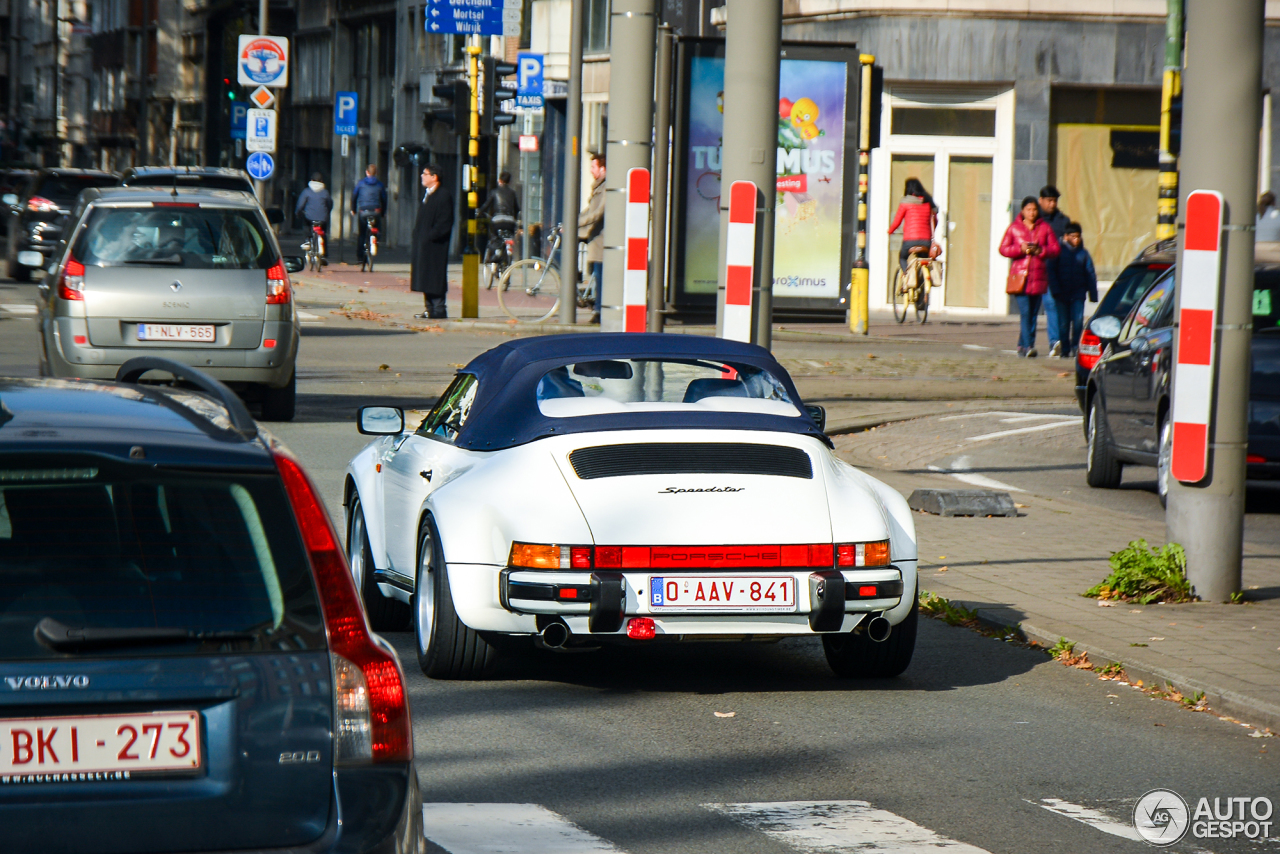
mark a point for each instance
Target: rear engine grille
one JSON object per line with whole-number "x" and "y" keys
{"x": 690, "y": 458}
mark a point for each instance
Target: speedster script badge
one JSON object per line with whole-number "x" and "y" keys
{"x": 673, "y": 490}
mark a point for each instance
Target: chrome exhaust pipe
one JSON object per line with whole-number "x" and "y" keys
{"x": 878, "y": 629}
{"x": 555, "y": 635}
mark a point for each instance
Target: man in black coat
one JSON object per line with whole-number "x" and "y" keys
{"x": 431, "y": 232}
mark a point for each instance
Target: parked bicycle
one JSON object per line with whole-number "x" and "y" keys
{"x": 314, "y": 247}
{"x": 923, "y": 273}
{"x": 529, "y": 290}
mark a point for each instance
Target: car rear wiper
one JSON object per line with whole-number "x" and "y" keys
{"x": 170, "y": 260}
{"x": 59, "y": 636}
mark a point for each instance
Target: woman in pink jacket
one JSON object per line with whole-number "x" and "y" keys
{"x": 1030, "y": 242}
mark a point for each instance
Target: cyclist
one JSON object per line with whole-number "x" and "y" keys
{"x": 918, "y": 216}
{"x": 315, "y": 205}
{"x": 503, "y": 208}
{"x": 368, "y": 199}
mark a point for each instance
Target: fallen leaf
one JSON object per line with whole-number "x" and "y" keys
{"x": 397, "y": 373}
{"x": 1117, "y": 696}
{"x": 1064, "y": 374}
{"x": 1157, "y": 724}
{"x": 725, "y": 714}
{"x": 1157, "y": 638}
{"x": 942, "y": 569}
{"x": 1101, "y": 603}
{"x": 361, "y": 291}
{"x": 1137, "y": 683}
{"x": 384, "y": 367}
{"x": 942, "y": 557}
{"x": 1135, "y": 612}
{"x": 871, "y": 355}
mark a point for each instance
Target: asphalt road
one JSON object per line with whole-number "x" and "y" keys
{"x": 756, "y": 748}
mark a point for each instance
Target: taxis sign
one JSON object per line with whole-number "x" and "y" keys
{"x": 263, "y": 61}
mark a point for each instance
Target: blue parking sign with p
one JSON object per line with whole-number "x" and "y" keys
{"x": 345, "y": 111}
{"x": 529, "y": 81}
{"x": 239, "y": 117}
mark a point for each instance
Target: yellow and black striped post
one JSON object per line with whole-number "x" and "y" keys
{"x": 860, "y": 275}
{"x": 470, "y": 252}
{"x": 1167, "y": 205}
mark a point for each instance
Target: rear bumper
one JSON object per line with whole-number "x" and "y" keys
{"x": 825, "y": 601}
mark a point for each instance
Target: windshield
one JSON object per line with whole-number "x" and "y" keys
{"x": 64, "y": 189}
{"x": 182, "y": 235}
{"x": 626, "y": 385}
{"x": 93, "y": 543}
{"x": 1132, "y": 283}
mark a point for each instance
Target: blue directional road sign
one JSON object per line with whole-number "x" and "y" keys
{"x": 474, "y": 17}
{"x": 260, "y": 165}
{"x": 239, "y": 110}
{"x": 345, "y": 110}
{"x": 529, "y": 81}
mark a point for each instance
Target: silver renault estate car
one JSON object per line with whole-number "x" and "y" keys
{"x": 192, "y": 275}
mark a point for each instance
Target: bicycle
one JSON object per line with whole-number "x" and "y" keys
{"x": 912, "y": 287}
{"x": 537, "y": 301}
{"x": 314, "y": 247}
{"x": 500, "y": 250}
{"x": 370, "y": 240}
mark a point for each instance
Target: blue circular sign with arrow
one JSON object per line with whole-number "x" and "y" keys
{"x": 260, "y": 165}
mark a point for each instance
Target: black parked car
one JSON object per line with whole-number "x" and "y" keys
{"x": 1127, "y": 395}
{"x": 35, "y": 225}
{"x": 1132, "y": 283}
{"x": 186, "y": 664}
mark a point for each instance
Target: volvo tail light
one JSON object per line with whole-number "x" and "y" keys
{"x": 40, "y": 204}
{"x": 71, "y": 285}
{"x": 1089, "y": 351}
{"x": 278, "y": 291}
{"x": 371, "y": 709}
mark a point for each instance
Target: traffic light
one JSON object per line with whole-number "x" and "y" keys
{"x": 457, "y": 115}
{"x": 877, "y": 100}
{"x": 491, "y": 115}
{"x": 228, "y": 88}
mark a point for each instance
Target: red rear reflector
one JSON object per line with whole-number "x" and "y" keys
{"x": 568, "y": 593}
{"x": 867, "y": 591}
{"x": 1254, "y": 458}
{"x": 71, "y": 285}
{"x": 609, "y": 557}
{"x": 80, "y": 339}
{"x": 1089, "y": 351}
{"x": 641, "y": 628}
{"x": 269, "y": 343}
{"x": 580, "y": 557}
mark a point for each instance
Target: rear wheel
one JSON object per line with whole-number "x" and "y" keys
{"x": 447, "y": 647}
{"x": 1164, "y": 462}
{"x": 1102, "y": 469}
{"x": 899, "y": 296}
{"x": 385, "y": 614}
{"x": 922, "y": 299}
{"x": 856, "y": 656}
{"x": 280, "y": 404}
{"x": 529, "y": 290}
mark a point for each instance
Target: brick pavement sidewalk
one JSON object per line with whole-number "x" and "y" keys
{"x": 1033, "y": 569}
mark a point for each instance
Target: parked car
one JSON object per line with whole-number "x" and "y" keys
{"x": 186, "y": 665}
{"x": 205, "y": 177}
{"x": 193, "y": 275}
{"x": 1131, "y": 284}
{"x": 1128, "y": 393}
{"x": 626, "y": 489}
{"x": 12, "y": 181}
{"x": 36, "y": 223}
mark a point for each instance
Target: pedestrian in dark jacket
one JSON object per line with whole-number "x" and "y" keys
{"x": 1057, "y": 220}
{"x": 315, "y": 205}
{"x": 368, "y": 198}
{"x": 431, "y": 232}
{"x": 1071, "y": 279}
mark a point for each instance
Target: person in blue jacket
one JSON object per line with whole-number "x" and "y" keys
{"x": 368, "y": 197}
{"x": 1072, "y": 278}
{"x": 314, "y": 205}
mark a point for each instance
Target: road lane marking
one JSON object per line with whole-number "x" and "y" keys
{"x": 840, "y": 827}
{"x": 977, "y": 479}
{"x": 1091, "y": 817}
{"x": 1069, "y": 422}
{"x": 991, "y": 412}
{"x": 308, "y": 317}
{"x": 20, "y": 309}
{"x": 507, "y": 829}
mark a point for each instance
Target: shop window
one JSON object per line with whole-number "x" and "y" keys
{"x": 943, "y": 121}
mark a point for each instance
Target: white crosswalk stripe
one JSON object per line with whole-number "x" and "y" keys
{"x": 507, "y": 829}
{"x": 1091, "y": 817}
{"x": 840, "y": 827}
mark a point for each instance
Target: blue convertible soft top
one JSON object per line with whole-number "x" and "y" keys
{"x": 505, "y": 411}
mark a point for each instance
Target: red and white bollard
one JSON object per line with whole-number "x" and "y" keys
{"x": 635, "y": 276}
{"x": 740, "y": 260}
{"x": 1201, "y": 282}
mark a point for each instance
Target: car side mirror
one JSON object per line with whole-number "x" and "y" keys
{"x": 275, "y": 216}
{"x": 9, "y": 199}
{"x": 1106, "y": 327}
{"x": 294, "y": 263}
{"x": 380, "y": 420}
{"x": 818, "y": 414}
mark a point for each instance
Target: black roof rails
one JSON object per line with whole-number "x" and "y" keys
{"x": 241, "y": 421}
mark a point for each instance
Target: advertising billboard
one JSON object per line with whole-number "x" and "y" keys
{"x": 815, "y": 165}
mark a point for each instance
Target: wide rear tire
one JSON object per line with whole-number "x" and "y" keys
{"x": 1102, "y": 469}
{"x": 385, "y": 614}
{"x": 280, "y": 404}
{"x": 856, "y": 656}
{"x": 447, "y": 647}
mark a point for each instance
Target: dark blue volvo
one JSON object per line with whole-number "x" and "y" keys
{"x": 184, "y": 662}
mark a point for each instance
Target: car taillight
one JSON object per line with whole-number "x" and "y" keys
{"x": 39, "y": 204}
{"x": 1089, "y": 351}
{"x": 277, "y": 284}
{"x": 863, "y": 554}
{"x": 371, "y": 709}
{"x": 806, "y": 556}
{"x": 71, "y": 285}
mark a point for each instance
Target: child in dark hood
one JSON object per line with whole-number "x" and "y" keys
{"x": 1073, "y": 279}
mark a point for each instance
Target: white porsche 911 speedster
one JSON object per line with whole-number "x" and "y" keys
{"x": 625, "y": 488}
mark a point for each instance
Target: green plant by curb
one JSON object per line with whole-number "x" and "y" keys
{"x": 955, "y": 614}
{"x": 1143, "y": 575}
